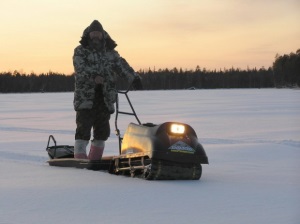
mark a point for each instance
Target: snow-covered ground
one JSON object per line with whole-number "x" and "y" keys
{"x": 251, "y": 137}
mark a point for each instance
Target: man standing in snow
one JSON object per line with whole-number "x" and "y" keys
{"x": 96, "y": 65}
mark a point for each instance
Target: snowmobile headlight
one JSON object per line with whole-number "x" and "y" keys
{"x": 177, "y": 129}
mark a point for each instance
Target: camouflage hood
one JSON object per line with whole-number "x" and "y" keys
{"x": 108, "y": 42}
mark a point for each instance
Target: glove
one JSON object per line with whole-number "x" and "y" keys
{"x": 137, "y": 84}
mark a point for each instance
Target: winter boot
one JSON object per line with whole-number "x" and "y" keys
{"x": 96, "y": 150}
{"x": 80, "y": 149}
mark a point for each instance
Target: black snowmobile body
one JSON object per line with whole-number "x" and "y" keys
{"x": 167, "y": 151}
{"x": 160, "y": 142}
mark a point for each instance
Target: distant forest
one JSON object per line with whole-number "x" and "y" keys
{"x": 285, "y": 72}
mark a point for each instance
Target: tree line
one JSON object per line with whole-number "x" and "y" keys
{"x": 286, "y": 69}
{"x": 50, "y": 82}
{"x": 285, "y": 72}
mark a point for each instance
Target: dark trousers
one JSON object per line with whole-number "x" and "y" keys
{"x": 94, "y": 118}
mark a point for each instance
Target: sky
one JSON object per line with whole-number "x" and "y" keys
{"x": 40, "y": 35}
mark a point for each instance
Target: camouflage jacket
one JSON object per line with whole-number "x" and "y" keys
{"x": 90, "y": 63}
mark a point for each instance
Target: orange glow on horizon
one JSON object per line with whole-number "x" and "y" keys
{"x": 40, "y": 36}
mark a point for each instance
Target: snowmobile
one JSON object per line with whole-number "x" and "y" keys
{"x": 167, "y": 151}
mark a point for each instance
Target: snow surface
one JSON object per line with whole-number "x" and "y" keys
{"x": 251, "y": 137}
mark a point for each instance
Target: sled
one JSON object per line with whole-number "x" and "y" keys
{"x": 167, "y": 151}
{"x": 102, "y": 164}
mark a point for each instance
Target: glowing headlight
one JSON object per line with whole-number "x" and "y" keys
{"x": 177, "y": 128}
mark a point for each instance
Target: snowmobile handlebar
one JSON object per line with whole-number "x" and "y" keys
{"x": 125, "y": 91}
{"x": 132, "y": 85}
{"x": 136, "y": 84}
{"x": 132, "y": 113}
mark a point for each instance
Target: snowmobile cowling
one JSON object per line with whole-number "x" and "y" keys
{"x": 159, "y": 142}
